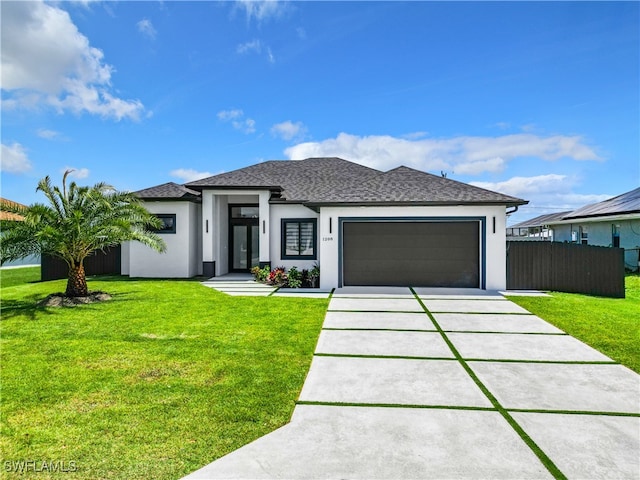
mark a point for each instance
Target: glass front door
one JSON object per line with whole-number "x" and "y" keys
{"x": 244, "y": 252}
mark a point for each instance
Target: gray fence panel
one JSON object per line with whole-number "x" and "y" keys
{"x": 99, "y": 263}
{"x": 565, "y": 267}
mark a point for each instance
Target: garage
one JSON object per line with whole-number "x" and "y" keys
{"x": 411, "y": 253}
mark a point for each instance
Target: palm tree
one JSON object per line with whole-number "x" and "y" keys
{"x": 76, "y": 222}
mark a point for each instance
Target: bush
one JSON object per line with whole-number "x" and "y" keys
{"x": 314, "y": 275}
{"x": 295, "y": 278}
{"x": 261, "y": 274}
{"x": 278, "y": 276}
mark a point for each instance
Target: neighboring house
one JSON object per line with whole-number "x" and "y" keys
{"x": 362, "y": 226}
{"x": 4, "y": 215}
{"x": 611, "y": 223}
{"x": 536, "y": 229}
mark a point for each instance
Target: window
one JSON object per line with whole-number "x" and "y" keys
{"x": 168, "y": 223}
{"x": 245, "y": 211}
{"x": 584, "y": 236}
{"x": 615, "y": 235}
{"x": 299, "y": 238}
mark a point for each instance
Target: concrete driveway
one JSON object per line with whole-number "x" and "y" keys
{"x": 424, "y": 383}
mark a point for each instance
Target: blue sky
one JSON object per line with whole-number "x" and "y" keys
{"x": 537, "y": 100}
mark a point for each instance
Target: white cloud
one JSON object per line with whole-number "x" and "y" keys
{"x": 414, "y": 135}
{"x": 519, "y": 186}
{"x": 256, "y": 46}
{"x": 247, "y": 47}
{"x": 14, "y": 159}
{"x": 469, "y": 155}
{"x": 495, "y": 164}
{"x": 78, "y": 173}
{"x": 262, "y": 10}
{"x": 48, "y": 134}
{"x": 236, "y": 117}
{"x": 146, "y": 28}
{"x": 548, "y": 193}
{"x": 270, "y": 56}
{"x": 189, "y": 175}
{"x": 247, "y": 125}
{"x": 47, "y": 61}
{"x": 289, "y": 130}
{"x": 225, "y": 115}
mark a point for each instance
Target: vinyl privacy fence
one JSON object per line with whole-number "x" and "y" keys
{"x": 99, "y": 263}
{"x": 565, "y": 267}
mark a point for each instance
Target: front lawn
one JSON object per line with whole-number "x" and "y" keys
{"x": 610, "y": 325}
{"x": 19, "y": 275}
{"x": 156, "y": 383}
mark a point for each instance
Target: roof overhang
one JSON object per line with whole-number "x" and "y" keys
{"x": 201, "y": 188}
{"x": 168, "y": 199}
{"x": 598, "y": 218}
{"x": 411, "y": 204}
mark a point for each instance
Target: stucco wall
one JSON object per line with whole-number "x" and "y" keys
{"x": 278, "y": 212}
{"x": 495, "y": 243}
{"x": 214, "y": 224}
{"x": 600, "y": 233}
{"x": 182, "y": 258}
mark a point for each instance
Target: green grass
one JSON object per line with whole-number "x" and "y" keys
{"x": 17, "y": 276}
{"x": 156, "y": 383}
{"x": 610, "y": 325}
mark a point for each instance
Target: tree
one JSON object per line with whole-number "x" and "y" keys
{"x": 76, "y": 222}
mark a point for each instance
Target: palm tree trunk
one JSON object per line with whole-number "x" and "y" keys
{"x": 77, "y": 282}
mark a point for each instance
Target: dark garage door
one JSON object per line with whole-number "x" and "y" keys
{"x": 419, "y": 254}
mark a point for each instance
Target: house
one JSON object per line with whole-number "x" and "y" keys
{"x": 362, "y": 226}
{"x": 536, "y": 229}
{"x": 31, "y": 260}
{"x": 611, "y": 223}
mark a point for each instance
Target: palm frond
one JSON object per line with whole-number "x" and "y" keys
{"x": 79, "y": 220}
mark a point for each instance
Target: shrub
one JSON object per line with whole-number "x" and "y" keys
{"x": 295, "y": 278}
{"x": 277, "y": 276}
{"x": 261, "y": 274}
{"x": 314, "y": 275}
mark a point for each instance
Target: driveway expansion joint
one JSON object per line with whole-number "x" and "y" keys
{"x": 378, "y": 329}
{"x": 510, "y": 417}
{"x": 543, "y": 362}
{"x": 574, "y": 412}
{"x": 386, "y": 357}
{"x": 397, "y": 405}
{"x": 481, "y": 332}
{"x": 542, "y": 456}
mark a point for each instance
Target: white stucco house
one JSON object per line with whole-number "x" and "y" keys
{"x": 362, "y": 226}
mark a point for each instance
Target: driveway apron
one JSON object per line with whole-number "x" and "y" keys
{"x": 427, "y": 383}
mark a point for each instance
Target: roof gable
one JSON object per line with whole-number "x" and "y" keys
{"x": 321, "y": 181}
{"x": 168, "y": 191}
{"x": 407, "y": 185}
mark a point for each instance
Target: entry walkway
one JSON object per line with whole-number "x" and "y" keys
{"x": 413, "y": 384}
{"x": 242, "y": 284}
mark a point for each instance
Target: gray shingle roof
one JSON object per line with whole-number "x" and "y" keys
{"x": 168, "y": 191}
{"x": 321, "y": 181}
{"x": 622, "y": 204}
